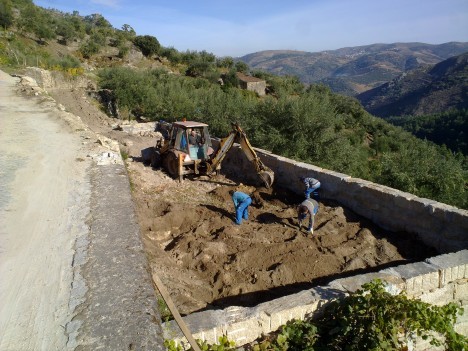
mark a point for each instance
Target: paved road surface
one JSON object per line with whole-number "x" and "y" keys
{"x": 72, "y": 271}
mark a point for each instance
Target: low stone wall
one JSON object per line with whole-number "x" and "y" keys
{"x": 437, "y": 280}
{"x": 436, "y": 224}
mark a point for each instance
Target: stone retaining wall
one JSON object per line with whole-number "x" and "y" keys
{"x": 437, "y": 280}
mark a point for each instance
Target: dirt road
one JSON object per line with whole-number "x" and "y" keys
{"x": 72, "y": 270}
{"x": 40, "y": 220}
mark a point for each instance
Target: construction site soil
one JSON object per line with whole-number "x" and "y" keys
{"x": 207, "y": 261}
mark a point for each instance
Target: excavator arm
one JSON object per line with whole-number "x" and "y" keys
{"x": 238, "y": 135}
{"x": 224, "y": 146}
{"x": 265, "y": 173}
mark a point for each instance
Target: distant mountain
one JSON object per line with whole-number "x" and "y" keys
{"x": 426, "y": 90}
{"x": 353, "y": 70}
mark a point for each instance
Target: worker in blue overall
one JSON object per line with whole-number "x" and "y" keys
{"x": 308, "y": 207}
{"x": 241, "y": 204}
{"x": 311, "y": 187}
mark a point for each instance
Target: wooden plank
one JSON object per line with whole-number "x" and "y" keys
{"x": 181, "y": 167}
{"x": 178, "y": 318}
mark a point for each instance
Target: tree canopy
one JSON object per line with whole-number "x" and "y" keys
{"x": 449, "y": 128}
{"x": 148, "y": 44}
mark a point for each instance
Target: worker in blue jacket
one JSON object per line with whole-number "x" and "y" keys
{"x": 311, "y": 186}
{"x": 308, "y": 207}
{"x": 241, "y": 204}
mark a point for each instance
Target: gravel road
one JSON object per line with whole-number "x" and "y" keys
{"x": 41, "y": 219}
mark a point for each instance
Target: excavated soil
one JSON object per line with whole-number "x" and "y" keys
{"x": 205, "y": 260}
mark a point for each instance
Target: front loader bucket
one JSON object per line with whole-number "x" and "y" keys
{"x": 268, "y": 177}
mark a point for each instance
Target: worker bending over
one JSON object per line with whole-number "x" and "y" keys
{"x": 311, "y": 186}
{"x": 307, "y": 207}
{"x": 241, "y": 205}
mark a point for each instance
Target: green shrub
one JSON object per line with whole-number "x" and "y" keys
{"x": 373, "y": 319}
{"x": 89, "y": 49}
{"x": 6, "y": 14}
{"x": 148, "y": 44}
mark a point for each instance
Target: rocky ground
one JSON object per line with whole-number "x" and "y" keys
{"x": 205, "y": 260}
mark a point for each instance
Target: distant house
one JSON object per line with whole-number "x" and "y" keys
{"x": 251, "y": 83}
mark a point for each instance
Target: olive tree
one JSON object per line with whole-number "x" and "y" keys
{"x": 148, "y": 44}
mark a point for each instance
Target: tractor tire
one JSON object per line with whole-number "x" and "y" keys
{"x": 156, "y": 160}
{"x": 171, "y": 164}
{"x": 147, "y": 155}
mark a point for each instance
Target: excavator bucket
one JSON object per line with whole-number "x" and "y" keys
{"x": 268, "y": 177}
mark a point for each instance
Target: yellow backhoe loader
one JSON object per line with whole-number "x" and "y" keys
{"x": 186, "y": 149}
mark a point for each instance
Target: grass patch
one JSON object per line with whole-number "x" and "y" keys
{"x": 124, "y": 154}
{"x": 164, "y": 311}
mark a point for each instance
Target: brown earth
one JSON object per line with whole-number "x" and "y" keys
{"x": 206, "y": 260}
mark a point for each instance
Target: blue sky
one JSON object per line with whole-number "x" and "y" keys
{"x": 237, "y": 28}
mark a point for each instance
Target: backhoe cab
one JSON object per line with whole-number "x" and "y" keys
{"x": 187, "y": 149}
